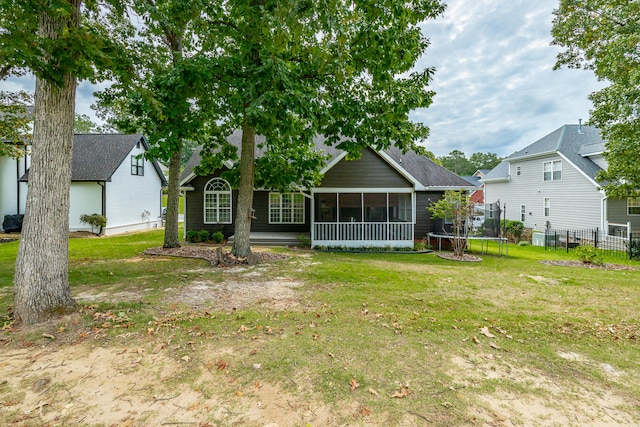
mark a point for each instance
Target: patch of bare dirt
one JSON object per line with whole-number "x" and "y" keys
{"x": 553, "y": 402}
{"x": 606, "y": 266}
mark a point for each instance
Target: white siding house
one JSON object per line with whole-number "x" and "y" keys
{"x": 109, "y": 178}
{"x": 551, "y": 184}
{"x": 13, "y": 194}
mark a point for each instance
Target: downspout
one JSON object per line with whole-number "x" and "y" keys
{"x": 17, "y": 186}
{"x": 104, "y": 199}
{"x": 184, "y": 223}
{"x": 18, "y": 177}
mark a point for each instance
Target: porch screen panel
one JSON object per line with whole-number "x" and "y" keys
{"x": 350, "y": 206}
{"x": 400, "y": 207}
{"x": 326, "y": 207}
{"x": 375, "y": 207}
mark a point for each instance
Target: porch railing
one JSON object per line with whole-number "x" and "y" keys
{"x": 398, "y": 234}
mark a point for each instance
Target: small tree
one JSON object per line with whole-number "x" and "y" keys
{"x": 96, "y": 221}
{"x": 458, "y": 208}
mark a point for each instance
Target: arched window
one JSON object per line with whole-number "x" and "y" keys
{"x": 217, "y": 202}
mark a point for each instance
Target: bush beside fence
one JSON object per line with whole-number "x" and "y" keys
{"x": 627, "y": 247}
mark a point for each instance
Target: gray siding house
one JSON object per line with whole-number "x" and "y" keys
{"x": 378, "y": 200}
{"x": 551, "y": 184}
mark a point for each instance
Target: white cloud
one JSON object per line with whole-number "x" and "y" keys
{"x": 495, "y": 87}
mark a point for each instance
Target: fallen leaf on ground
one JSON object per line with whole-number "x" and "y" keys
{"x": 354, "y": 384}
{"x": 221, "y": 364}
{"x": 403, "y": 392}
{"x": 365, "y": 412}
{"x": 485, "y": 331}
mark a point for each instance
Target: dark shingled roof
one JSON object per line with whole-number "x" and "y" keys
{"x": 423, "y": 169}
{"x": 97, "y": 156}
{"x": 567, "y": 140}
{"x": 572, "y": 141}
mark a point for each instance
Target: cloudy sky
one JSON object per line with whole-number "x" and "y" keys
{"x": 496, "y": 90}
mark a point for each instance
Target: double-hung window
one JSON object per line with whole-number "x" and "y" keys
{"x": 523, "y": 213}
{"x": 547, "y": 206}
{"x": 217, "y": 202}
{"x": 137, "y": 165}
{"x": 552, "y": 171}
{"x": 633, "y": 206}
{"x": 286, "y": 208}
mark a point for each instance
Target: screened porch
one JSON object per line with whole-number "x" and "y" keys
{"x": 363, "y": 219}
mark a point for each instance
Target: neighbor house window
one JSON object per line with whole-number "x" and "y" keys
{"x": 523, "y": 213}
{"x": 547, "y": 206}
{"x": 633, "y": 206}
{"x": 287, "y": 208}
{"x": 217, "y": 202}
{"x": 518, "y": 170}
{"x": 553, "y": 170}
{"x": 137, "y": 165}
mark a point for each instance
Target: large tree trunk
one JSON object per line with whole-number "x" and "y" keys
{"x": 244, "y": 213}
{"x": 173, "y": 201}
{"x": 42, "y": 273}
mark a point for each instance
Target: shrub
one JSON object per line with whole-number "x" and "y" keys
{"x": 634, "y": 248}
{"x": 217, "y": 237}
{"x": 524, "y": 243}
{"x": 204, "y": 235}
{"x": 95, "y": 221}
{"x": 589, "y": 255}
{"x": 192, "y": 236}
{"x": 304, "y": 240}
{"x": 514, "y": 229}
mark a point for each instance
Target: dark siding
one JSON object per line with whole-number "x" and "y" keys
{"x": 195, "y": 211}
{"x": 424, "y": 222}
{"x": 617, "y": 213}
{"x": 370, "y": 171}
{"x": 261, "y": 223}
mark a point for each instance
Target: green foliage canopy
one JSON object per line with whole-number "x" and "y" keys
{"x": 457, "y": 162}
{"x": 292, "y": 70}
{"x": 15, "y": 122}
{"x": 604, "y": 36}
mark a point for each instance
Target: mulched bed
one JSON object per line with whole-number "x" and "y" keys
{"x": 592, "y": 266}
{"x": 463, "y": 258}
{"x": 210, "y": 254}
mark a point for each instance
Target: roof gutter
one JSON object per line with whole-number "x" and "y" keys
{"x": 496, "y": 180}
{"x": 532, "y": 156}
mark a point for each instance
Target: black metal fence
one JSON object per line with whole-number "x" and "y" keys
{"x": 627, "y": 246}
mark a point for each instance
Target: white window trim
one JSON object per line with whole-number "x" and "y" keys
{"x": 138, "y": 164}
{"x": 226, "y": 191}
{"x": 547, "y": 207}
{"x": 552, "y": 170}
{"x": 293, "y": 208}
{"x": 630, "y": 204}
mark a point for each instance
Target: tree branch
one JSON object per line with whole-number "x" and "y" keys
{"x": 4, "y": 72}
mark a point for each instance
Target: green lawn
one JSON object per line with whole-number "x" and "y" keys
{"x": 443, "y": 337}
